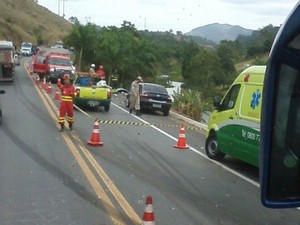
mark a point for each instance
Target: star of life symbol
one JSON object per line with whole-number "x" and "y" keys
{"x": 255, "y": 99}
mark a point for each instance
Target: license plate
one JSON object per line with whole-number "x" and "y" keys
{"x": 156, "y": 105}
{"x": 93, "y": 103}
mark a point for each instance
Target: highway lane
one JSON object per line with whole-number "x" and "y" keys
{"x": 196, "y": 190}
{"x": 139, "y": 160}
{"x": 41, "y": 182}
{"x": 181, "y": 181}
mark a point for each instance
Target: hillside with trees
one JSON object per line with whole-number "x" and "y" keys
{"x": 129, "y": 52}
{"x": 26, "y": 20}
{"x": 205, "y": 68}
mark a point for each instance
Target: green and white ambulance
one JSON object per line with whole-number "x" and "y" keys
{"x": 234, "y": 126}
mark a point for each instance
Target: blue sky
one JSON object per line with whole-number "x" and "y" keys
{"x": 178, "y": 15}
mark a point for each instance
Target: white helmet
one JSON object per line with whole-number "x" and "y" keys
{"x": 93, "y": 65}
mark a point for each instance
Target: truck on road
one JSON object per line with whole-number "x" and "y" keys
{"x": 53, "y": 66}
{"x": 7, "y": 65}
{"x": 90, "y": 91}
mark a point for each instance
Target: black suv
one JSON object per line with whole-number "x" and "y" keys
{"x": 153, "y": 97}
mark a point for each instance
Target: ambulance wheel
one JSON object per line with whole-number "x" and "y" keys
{"x": 211, "y": 148}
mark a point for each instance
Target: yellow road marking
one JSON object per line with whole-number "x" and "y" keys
{"x": 114, "y": 215}
{"x": 114, "y": 190}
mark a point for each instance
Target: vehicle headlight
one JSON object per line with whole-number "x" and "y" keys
{"x": 73, "y": 71}
{"x": 52, "y": 69}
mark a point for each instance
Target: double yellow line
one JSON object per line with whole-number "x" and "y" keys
{"x": 82, "y": 150}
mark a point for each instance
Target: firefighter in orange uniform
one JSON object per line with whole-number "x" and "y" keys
{"x": 100, "y": 72}
{"x": 66, "y": 105}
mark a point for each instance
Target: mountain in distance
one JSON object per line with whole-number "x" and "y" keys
{"x": 217, "y": 32}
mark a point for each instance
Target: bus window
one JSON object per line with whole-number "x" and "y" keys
{"x": 280, "y": 119}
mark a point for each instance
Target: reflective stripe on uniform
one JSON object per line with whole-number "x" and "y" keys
{"x": 67, "y": 98}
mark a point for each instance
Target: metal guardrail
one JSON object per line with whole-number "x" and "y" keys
{"x": 190, "y": 121}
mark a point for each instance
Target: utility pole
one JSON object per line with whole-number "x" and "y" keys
{"x": 63, "y": 8}
{"x": 59, "y": 7}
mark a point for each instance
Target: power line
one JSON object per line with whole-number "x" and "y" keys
{"x": 63, "y": 7}
{"x": 59, "y": 7}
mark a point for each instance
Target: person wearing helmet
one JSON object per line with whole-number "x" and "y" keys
{"x": 135, "y": 96}
{"x": 92, "y": 69}
{"x": 100, "y": 72}
{"x": 66, "y": 105}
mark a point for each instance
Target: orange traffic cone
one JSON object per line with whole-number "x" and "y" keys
{"x": 148, "y": 217}
{"x": 37, "y": 81}
{"x": 58, "y": 83}
{"x": 57, "y": 96}
{"x": 181, "y": 143}
{"x": 49, "y": 89}
{"x": 95, "y": 139}
{"x": 44, "y": 84}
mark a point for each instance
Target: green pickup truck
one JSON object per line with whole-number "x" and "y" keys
{"x": 90, "y": 92}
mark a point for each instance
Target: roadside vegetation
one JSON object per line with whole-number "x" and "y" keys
{"x": 206, "y": 70}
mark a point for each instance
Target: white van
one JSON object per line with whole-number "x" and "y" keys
{"x": 26, "y": 49}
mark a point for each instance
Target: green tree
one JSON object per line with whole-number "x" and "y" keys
{"x": 74, "y": 20}
{"x": 83, "y": 39}
{"x": 190, "y": 50}
{"x": 204, "y": 70}
{"x": 228, "y": 71}
{"x": 109, "y": 50}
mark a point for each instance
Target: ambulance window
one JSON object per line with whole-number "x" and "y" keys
{"x": 231, "y": 97}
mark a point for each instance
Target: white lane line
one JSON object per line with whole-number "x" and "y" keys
{"x": 195, "y": 150}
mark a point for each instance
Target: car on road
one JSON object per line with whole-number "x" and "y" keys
{"x": 153, "y": 97}
{"x": 1, "y": 92}
{"x": 53, "y": 66}
{"x": 90, "y": 93}
{"x": 26, "y": 49}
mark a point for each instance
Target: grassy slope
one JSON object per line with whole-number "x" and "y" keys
{"x": 23, "y": 20}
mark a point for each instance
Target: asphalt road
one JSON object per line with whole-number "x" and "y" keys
{"x": 49, "y": 177}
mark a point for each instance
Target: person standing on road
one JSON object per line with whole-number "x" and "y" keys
{"x": 135, "y": 96}
{"x": 66, "y": 104}
{"x": 92, "y": 69}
